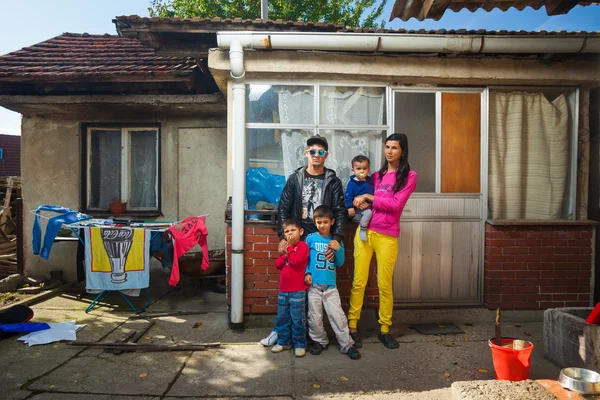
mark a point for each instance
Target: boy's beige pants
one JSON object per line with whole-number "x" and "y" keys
{"x": 322, "y": 296}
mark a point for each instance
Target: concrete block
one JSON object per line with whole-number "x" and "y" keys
{"x": 569, "y": 341}
{"x": 500, "y": 390}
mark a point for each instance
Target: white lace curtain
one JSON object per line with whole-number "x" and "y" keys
{"x": 338, "y": 106}
{"x": 528, "y": 156}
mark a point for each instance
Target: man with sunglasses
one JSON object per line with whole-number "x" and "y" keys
{"x": 310, "y": 187}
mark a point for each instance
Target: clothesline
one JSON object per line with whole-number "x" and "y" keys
{"x": 111, "y": 222}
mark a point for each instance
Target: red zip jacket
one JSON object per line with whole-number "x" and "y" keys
{"x": 185, "y": 236}
{"x": 293, "y": 266}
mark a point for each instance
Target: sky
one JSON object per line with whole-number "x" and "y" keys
{"x": 28, "y": 22}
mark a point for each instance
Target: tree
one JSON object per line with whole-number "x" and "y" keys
{"x": 348, "y": 12}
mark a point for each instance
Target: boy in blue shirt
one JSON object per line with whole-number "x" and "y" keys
{"x": 360, "y": 183}
{"x": 323, "y": 293}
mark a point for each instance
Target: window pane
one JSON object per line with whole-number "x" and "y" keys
{"x": 344, "y": 145}
{"x": 266, "y": 173}
{"x": 530, "y": 162}
{"x": 341, "y": 105}
{"x": 105, "y": 168}
{"x": 414, "y": 115}
{"x": 280, "y": 104}
{"x": 142, "y": 174}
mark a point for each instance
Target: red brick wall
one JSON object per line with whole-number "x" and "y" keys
{"x": 537, "y": 267}
{"x": 10, "y": 165}
{"x": 261, "y": 278}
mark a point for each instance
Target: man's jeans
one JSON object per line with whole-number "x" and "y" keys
{"x": 290, "y": 323}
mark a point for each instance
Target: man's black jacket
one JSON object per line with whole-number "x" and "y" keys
{"x": 290, "y": 204}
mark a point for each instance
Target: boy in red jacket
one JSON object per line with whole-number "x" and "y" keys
{"x": 290, "y": 323}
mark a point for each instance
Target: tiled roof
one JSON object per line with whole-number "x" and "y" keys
{"x": 434, "y": 9}
{"x": 129, "y": 26}
{"x": 92, "y": 57}
{"x": 215, "y": 24}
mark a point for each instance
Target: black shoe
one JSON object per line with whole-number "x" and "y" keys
{"x": 316, "y": 349}
{"x": 353, "y": 353}
{"x": 357, "y": 339}
{"x": 388, "y": 340}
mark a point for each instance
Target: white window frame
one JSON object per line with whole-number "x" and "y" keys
{"x": 316, "y": 126}
{"x": 125, "y": 163}
{"x": 572, "y": 90}
{"x": 438, "y": 91}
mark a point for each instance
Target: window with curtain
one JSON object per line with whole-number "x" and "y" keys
{"x": 531, "y": 163}
{"x": 122, "y": 165}
{"x": 280, "y": 118}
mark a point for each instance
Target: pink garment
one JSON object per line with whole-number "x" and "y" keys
{"x": 185, "y": 236}
{"x": 387, "y": 205}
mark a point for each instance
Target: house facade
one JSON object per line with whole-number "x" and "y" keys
{"x": 499, "y": 132}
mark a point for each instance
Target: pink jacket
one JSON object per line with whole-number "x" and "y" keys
{"x": 387, "y": 205}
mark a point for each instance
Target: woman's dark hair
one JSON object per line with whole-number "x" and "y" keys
{"x": 404, "y": 168}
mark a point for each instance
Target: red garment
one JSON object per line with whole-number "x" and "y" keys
{"x": 594, "y": 317}
{"x": 185, "y": 236}
{"x": 293, "y": 267}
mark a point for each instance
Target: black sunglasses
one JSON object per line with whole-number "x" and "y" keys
{"x": 321, "y": 152}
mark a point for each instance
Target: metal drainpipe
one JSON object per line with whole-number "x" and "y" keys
{"x": 236, "y": 58}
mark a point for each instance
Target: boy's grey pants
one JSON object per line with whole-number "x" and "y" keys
{"x": 319, "y": 297}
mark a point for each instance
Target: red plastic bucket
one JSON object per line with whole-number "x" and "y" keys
{"x": 511, "y": 364}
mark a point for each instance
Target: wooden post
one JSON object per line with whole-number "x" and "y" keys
{"x": 6, "y": 205}
{"x": 20, "y": 243}
{"x": 498, "y": 329}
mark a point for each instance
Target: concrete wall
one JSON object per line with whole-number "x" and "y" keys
{"x": 193, "y": 167}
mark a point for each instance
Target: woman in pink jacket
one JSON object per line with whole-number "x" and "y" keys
{"x": 393, "y": 183}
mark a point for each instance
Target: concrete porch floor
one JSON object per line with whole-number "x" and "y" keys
{"x": 242, "y": 368}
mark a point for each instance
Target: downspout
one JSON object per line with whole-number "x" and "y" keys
{"x": 238, "y": 89}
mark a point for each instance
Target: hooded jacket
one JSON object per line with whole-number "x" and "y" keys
{"x": 290, "y": 204}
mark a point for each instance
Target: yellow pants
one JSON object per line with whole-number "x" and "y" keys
{"x": 386, "y": 252}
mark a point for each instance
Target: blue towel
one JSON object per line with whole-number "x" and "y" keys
{"x": 24, "y": 327}
{"x": 67, "y": 216}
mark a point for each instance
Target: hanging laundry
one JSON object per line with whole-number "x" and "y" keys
{"x": 187, "y": 234}
{"x": 162, "y": 247}
{"x": 67, "y": 216}
{"x": 117, "y": 258}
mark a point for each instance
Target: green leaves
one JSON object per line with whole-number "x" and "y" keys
{"x": 352, "y": 13}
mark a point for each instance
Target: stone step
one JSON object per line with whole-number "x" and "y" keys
{"x": 505, "y": 390}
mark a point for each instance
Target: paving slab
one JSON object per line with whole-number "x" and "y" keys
{"x": 204, "y": 300}
{"x": 146, "y": 374}
{"x": 242, "y": 370}
{"x": 66, "y": 396}
{"x": 22, "y": 364}
{"x": 500, "y": 390}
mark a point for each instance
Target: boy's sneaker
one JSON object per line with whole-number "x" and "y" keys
{"x": 357, "y": 340}
{"x": 388, "y": 340}
{"x": 363, "y": 235}
{"x": 316, "y": 349}
{"x": 300, "y": 352}
{"x": 270, "y": 340}
{"x": 279, "y": 348}
{"x": 353, "y": 353}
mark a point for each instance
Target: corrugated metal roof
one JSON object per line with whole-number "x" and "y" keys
{"x": 434, "y": 9}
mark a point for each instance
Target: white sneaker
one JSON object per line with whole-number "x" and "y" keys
{"x": 270, "y": 340}
{"x": 279, "y": 348}
{"x": 300, "y": 352}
